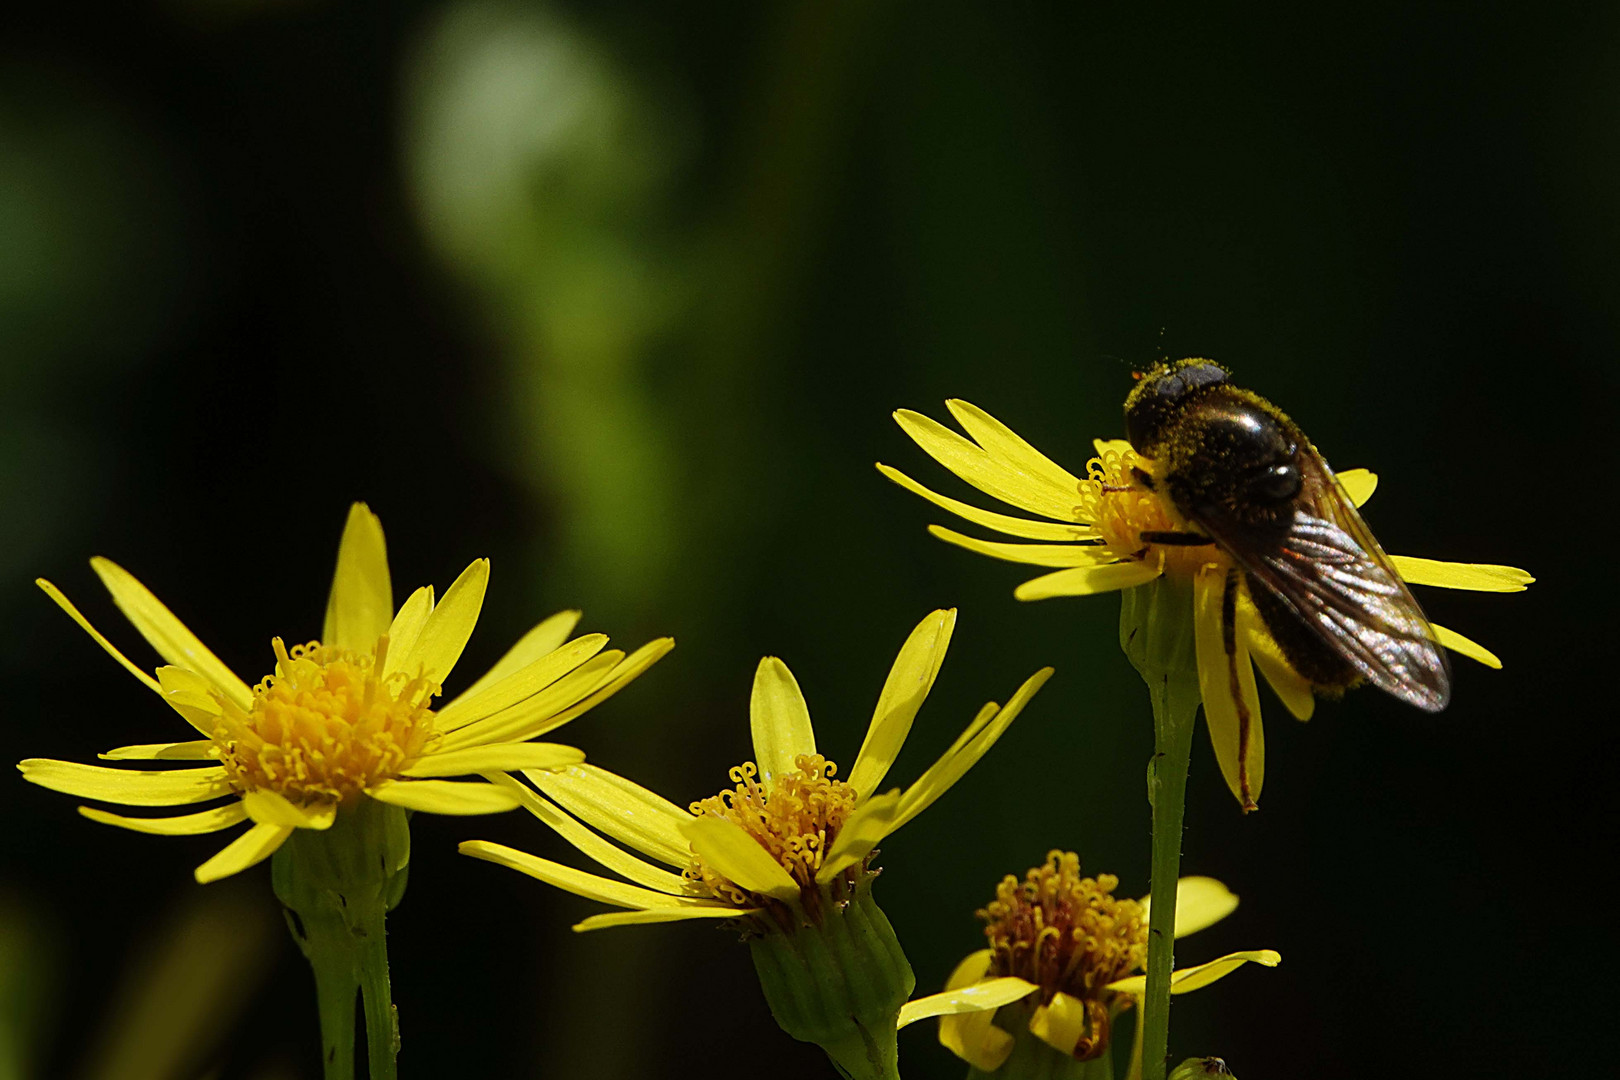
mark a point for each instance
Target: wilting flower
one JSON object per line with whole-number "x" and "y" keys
{"x": 1099, "y": 531}
{"x": 1063, "y": 963}
{"x": 345, "y": 718}
{"x": 786, "y": 851}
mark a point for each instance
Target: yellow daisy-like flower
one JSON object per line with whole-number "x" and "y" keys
{"x": 347, "y": 717}
{"x": 788, "y": 839}
{"x": 1063, "y": 963}
{"x": 1101, "y": 530}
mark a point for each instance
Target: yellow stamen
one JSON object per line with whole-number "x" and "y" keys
{"x": 795, "y": 819}
{"x": 1121, "y": 508}
{"x": 325, "y": 725}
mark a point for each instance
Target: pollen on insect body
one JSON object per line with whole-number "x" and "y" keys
{"x": 326, "y": 724}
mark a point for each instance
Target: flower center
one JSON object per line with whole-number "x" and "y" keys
{"x": 1064, "y": 932}
{"x": 795, "y": 819}
{"x": 325, "y": 725}
{"x": 1121, "y": 509}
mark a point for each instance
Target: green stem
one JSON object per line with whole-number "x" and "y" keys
{"x": 1175, "y": 707}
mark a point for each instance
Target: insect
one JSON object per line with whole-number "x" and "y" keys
{"x": 1244, "y": 477}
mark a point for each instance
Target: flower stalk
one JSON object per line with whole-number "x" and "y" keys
{"x": 337, "y": 887}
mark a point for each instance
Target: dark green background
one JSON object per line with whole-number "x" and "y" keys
{"x": 621, "y": 296}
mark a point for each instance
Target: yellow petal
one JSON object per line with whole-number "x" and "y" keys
{"x": 726, "y": 848}
{"x": 406, "y": 629}
{"x": 989, "y": 995}
{"x": 1033, "y": 554}
{"x": 966, "y": 752}
{"x": 621, "y": 808}
{"x": 521, "y": 684}
{"x": 590, "y": 886}
{"x": 1358, "y": 484}
{"x": 1471, "y": 649}
{"x": 167, "y": 634}
{"x": 614, "y": 858}
{"x": 132, "y": 787}
{"x": 1006, "y": 446}
{"x": 1292, "y": 688}
{"x": 496, "y": 757}
{"x": 990, "y": 476}
{"x": 1003, "y": 523}
{"x": 1201, "y": 902}
{"x": 252, "y": 847}
{"x": 271, "y": 808}
{"x": 972, "y": 969}
{"x": 1060, "y": 1023}
{"x": 862, "y": 831}
{"x": 971, "y": 1036}
{"x": 444, "y": 796}
{"x": 663, "y": 915}
{"x": 196, "y": 750}
{"x": 623, "y": 675}
{"x": 1231, "y": 702}
{"x": 779, "y": 718}
{"x": 537, "y": 712}
{"x": 1195, "y": 978}
{"x": 446, "y": 631}
{"x": 910, "y": 679}
{"x": 1087, "y": 580}
{"x": 546, "y": 637}
{"x": 84, "y": 624}
{"x": 1478, "y": 577}
{"x": 190, "y": 695}
{"x": 361, "y": 604}
{"x": 206, "y": 821}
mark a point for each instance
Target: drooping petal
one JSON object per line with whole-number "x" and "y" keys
{"x": 862, "y": 831}
{"x": 622, "y": 809}
{"x": 622, "y": 675}
{"x": 966, "y": 752}
{"x": 725, "y": 847}
{"x": 971, "y": 1036}
{"x": 1292, "y": 688}
{"x": 973, "y": 464}
{"x": 536, "y": 713}
{"x": 131, "y": 787}
{"x": 1088, "y": 580}
{"x": 1060, "y": 1023}
{"x": 272, "y": 808}
{"x": 249, "y": 849}
{"x": 1476, "y": 577}
{"x": 1469, "y": 648}
{"x": 1226, "y": 683}
{"x": 910, "y": 679}
{"x": 206, "y": 821}
{"x": 1002, "y": 523}
{"x": 167, "y": 634}
{"x": 779, "y": 719}
{"x": 84, "y": 624}
{"x": 612, "y": 857}
{"x": 545, "y": 637}
{"x": 360, "y": 606}
{"x": 590, "y": 886}
{"x": 1201, "y": 902}
{"x": 1358, "y": 484}
{"x": 1194, "y": 978}
{"x": 444, "y": 796}
{"x": 447, "y": 629}
{"x": 988, "y": 995}
{"x": 406, "y": 629}
{"x": 1006, "y": 446}
{"x": 496, "y": 757}
{"x": 663, "y": 915}
{"x": 1034, "y": 554}
{"x": 521, "y": 684}
{"x": 195, "y": 750}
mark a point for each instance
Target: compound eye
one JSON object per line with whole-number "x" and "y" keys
{"x": 1277, "y": 484}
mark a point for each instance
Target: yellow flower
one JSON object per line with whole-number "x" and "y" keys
{"x": 344, "y": 718}
{"x": 1063, "y": 956}
{"x": 788, "y": 839}
{"x": 1093, "y": 529}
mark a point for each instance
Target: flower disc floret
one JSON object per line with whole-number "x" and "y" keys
{"x": 325, "y": 725}
{"x": 1113, "y": 500}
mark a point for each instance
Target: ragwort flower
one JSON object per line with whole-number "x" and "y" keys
{"x": 1063, "y": 962}
{"x": 345, "y": 718}
{"x": 786, "y": 851}
{"x": 1105, "y": 532}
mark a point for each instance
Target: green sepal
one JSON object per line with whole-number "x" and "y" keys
{"x": 1156, "y": 629}
{"x": 839, "y": 982}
